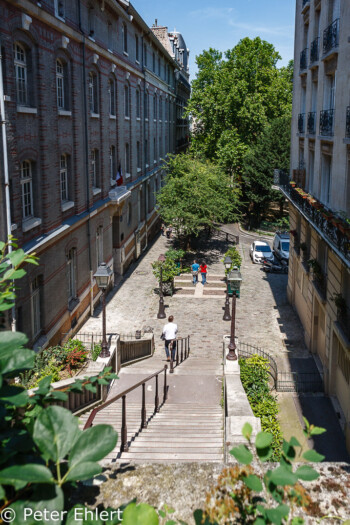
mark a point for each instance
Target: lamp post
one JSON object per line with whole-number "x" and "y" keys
{"x": 235, "y": 279}
{"x": 161, "y": 311}
{"x": 103, "y": 277}
{"x": 227, "y": 263}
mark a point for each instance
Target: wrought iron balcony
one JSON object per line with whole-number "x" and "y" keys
{"x": 314, "y": 50}
{"x": 322, "y": 220}
{"x": 347, "y": 131}
{"x": 311, "y": 122}
{"x": 301, "y": 122}
{"x": 327, "y": 122}
{"x": 331, "y": 36}
{"x": 303, "y": 59}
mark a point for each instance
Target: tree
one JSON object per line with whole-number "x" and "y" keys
{"x": 272, "y": 151}
{"x": 235, "y": 98}
{"x": 196, "y": 195}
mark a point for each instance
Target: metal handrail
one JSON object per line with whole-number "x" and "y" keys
{"x": 124, "y": 433}
{"x": 185, "y": 352}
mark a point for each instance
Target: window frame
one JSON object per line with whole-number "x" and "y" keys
{"x": 21, "y": 65}
{"x": 26, "y": 182}
{"x": 60, "y": 84}
{"x": 127, "y": 101}
{"x": 64, "y": 178}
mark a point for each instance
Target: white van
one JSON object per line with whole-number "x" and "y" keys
{"x": 281, "y": 243}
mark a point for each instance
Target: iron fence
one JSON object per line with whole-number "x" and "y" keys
{"x": 299, "y": 382}
{"x": 301, "y": 122}
{"x": 327, "y": 122}
{"x": 303, "y": 59}
{"x": 314, "y": 50}
{"x": 229, "y": 237}
{"x": 331, "y": 36}
{"x": 311, "y": 122}
{"x": 133, "y": 350}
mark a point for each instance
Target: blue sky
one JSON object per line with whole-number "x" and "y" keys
{"x": 221, "y": 24}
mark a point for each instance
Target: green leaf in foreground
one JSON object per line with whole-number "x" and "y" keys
{"x": 253, "y": 483}
{"x": 306, "y": 473}
{"x": 283, "y": 476}
{"x": 141, "y": 514}
{"x": 30, "y": 473}
{"x": 277, "y": 514}
{"x": 247, "y": 430}
{"x": 263, "y": 439}
{"x": 312, "y": 455}
{"x": 93, "y": 444}
{"x": 242, "y": 454}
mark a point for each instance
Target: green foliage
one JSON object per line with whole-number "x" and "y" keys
{"x": 175, "y": 255}
{"x": 169, "y": 270}
{"x": 235, "y": 256}
{"x": 255, "y": 381}
{"x": 10, "y": 270}
{"x": 75, "y": 358}
{"x": 97, "y": 348}
{"x": 197, "y": 194}
{"x": 271, "y": 151}
{"x": 262, "y": 496}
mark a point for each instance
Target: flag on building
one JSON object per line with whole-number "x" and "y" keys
{"x": 119, "y": 177}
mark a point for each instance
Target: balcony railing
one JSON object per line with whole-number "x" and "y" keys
{"x": 311, "y": 122}
{"x": 301, "y": 122}
{"x": 303, "y": 59}
{"x": 331, "y": 36}
{"x": 327, "y": 122}
{"x": 314, "y": 50}
{"x": 322, "y": 220}
{"x": 347, "y": 131}
{"x": 305, "y": 2}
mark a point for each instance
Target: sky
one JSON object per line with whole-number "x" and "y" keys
{"x": 221, "y": 24}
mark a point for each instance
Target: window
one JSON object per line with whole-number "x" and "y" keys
{"x": 64, "y": 178}
{"x": 112, "y": 163}
{"x": 93, "y": 98}
{"x": 129, "y": 214}
{"x": 154, "y": 62}
{"x": 111, "y": 96}
{"x": 60, "y": 84}
{"x": 137, "y": 48}
{"x": 329, "y": 92}
{"x": 326, "y": 179}
{"x": 27, "y": 189}
{"x": 127, "y": 160}
{"x": 145, "y": 54}
{"x": 59, "y": 8}
{"x": 91, "y": 22}
{"x": 160, "y": 108}
{"x": 36, "y": 307}
{"x": 160, "y": 147}
{"x": 146, "y": 153}
{"x": 125, "y": 38}
{"x": 138, "y": 155}
{"x": 138, "y": 103}
{"x": 94, "y": 168}
{"x": 71, "y": 273}
{"x": 110, "y": 36}
{"x": 154, "y": 150}
{"x": 127, "y": 101}
{"x": 154, "y": 107}
{"x": 20, "y": 61}
{"x": 146, "y": 105}
{"x": 159, "y": 66}
{"x": 311, "y": 170}
{"x": 99, "y": 245}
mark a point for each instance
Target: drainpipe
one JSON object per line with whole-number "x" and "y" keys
{"x": 86, "y": 142}
{"x": 6, "y": 174}
{"x": 144, "y": 136}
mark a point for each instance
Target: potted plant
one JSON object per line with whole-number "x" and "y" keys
{"x": 316, "y": 269}
{"x": 169, "y": 272}
{"x": 340, "y": 304}
{"x": 293, "y": 183}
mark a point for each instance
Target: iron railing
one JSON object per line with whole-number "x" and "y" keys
{"x": 327, "y": 122}
{"x": 299, "y": 382}
{"x": 124, "y": 447}
{"x": 329, "y": 231}
{"x": 331, "y": 36}
{"x": 347, "y": 130}
{"x": 303, "y": 59}
{"x": 301, "y": 122}
{"x": 246, "y": 350}
{"x": 181, "y": 353}
{"x": 314, "y": 50}
{"x": 229, "y": 237}
{"x": 305, "y": 2}
{"x": 311, "y": 122}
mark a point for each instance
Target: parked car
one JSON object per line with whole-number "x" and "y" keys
{"x": 280, "y": 246}
{"x": 260, "y": 250}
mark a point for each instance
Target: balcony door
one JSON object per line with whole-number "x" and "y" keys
{"x": 326, "y": 179}
{"x": 329, "y": 92}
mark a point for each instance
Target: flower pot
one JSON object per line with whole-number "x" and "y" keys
{"x": 168, "y": 288}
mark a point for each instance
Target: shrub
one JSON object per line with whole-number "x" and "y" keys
{"x": 255, "y": 381}
{"x": 74, "y": 358}
{"x": 170, "y": 271}
{"x": 235, "y": 257}
{"x": 175, "y": 255}
{"x": 96, "y": 351}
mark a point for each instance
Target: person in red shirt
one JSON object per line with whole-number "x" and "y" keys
{"x": 203, "y": 270}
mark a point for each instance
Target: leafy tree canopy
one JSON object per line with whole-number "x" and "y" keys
{"x": 196, "y": 195}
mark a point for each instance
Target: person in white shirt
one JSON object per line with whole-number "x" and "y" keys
{"x": 169, "y": 335}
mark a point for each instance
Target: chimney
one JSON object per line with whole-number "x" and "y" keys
{"x": 156, "y": 22}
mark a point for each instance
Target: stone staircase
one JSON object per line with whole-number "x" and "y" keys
{"x": 215, "y": 286}
{"x": 178, "y": 433}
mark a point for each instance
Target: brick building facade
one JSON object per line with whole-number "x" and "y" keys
{"x": 90, "y": 93}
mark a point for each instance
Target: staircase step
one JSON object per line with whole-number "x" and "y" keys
{"x": 203, "y": 457}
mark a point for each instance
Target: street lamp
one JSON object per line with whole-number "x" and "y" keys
{"x": 103, "y": 277}
{"x": 235, "y": 279}
{"x": 161, "y": 311}
{"x": 227, "y": 264}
